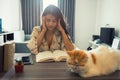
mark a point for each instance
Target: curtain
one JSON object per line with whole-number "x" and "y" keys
{"x": 31, "y": 11}
{"x": 68, "y": 9}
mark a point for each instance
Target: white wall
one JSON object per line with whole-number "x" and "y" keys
{"x": 93, "y": 14}
{"x": 85, "y": 18}
{"x": 9, "y": 12}
{"x": 108, "y": 12}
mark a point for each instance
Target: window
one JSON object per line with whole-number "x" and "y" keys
{"x": 48, "y": 2}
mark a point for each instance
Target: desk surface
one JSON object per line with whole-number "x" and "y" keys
{"x": 55, "y": 71}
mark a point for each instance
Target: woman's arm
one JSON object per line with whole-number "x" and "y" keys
{"x": 68, "y": 44}
{"x": 40, "y": 38}
{"x": 41, "y": 35}
{"x": 32, "y": 43}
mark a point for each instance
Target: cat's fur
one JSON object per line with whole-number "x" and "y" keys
{"x": 96, "y": 62}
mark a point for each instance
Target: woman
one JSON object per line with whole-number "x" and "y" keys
{"x": 52, "y": 35}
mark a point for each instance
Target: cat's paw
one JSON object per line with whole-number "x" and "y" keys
{"x": 71, "y": 70}
{"x": 85, "y": 76}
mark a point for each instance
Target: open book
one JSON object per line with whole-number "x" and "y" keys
{"x": 48, "y": 56}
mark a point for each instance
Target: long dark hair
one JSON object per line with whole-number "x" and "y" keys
{"x": 55, "y": 11}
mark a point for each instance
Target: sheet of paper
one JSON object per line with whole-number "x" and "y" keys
{"x": 115, "y": 43}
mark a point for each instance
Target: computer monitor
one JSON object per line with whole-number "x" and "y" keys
{"x": 10, "y": 36}
{"x": 107, "y": 35}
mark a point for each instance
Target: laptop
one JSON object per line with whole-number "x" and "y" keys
{"x": 27, "y": 59}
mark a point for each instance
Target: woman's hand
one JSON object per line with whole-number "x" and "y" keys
{"x": 59, "y": 27}
{"x": 43, "y": 24}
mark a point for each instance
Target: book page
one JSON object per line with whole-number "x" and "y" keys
{"x": 60, "y": 55}
{"x": 44, "y": 56}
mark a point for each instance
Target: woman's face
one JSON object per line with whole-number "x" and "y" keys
{"x": 51, "y": 22}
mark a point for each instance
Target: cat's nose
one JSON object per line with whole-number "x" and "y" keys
{"x": 76, "y": 64}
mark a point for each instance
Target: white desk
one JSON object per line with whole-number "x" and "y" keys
{"x": 95, "y": 45}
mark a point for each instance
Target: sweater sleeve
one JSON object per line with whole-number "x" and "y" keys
{"x": 32, "y": 43}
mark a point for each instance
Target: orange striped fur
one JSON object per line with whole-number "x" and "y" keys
{"x": 93, "y": 58}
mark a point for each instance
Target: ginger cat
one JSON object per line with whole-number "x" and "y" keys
{"x": 96, "y": 62}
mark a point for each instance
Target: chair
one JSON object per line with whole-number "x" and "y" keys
{"x": 20, "y": 40}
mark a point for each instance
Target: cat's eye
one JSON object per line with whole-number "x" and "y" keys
{"x": 76, "y": 64}
{"x": 84, "y": 60}
{"x": 69, "y": 62}
{"x": 82, "y": 64}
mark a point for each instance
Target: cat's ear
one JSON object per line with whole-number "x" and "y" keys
{"x": 69, "y": 53}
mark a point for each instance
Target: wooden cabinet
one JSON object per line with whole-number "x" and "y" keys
{"x": 4, "y": 38}
{"x": 1, "y": 58}
{"x": 9, "y": 50}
